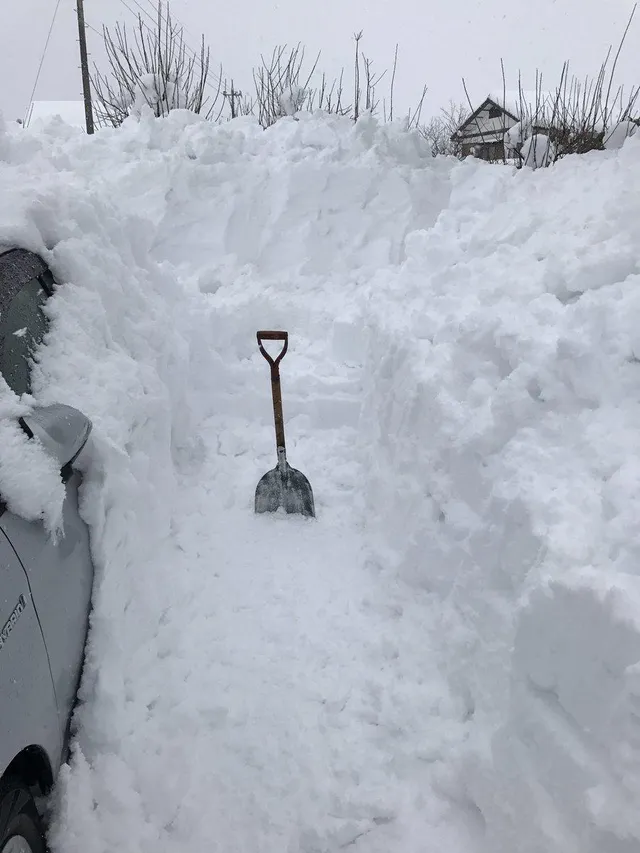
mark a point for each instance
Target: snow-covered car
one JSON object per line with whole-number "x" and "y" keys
{"x": 45, "y": 584}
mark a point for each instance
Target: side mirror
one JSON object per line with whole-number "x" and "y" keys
{"x": 62, "y": 430}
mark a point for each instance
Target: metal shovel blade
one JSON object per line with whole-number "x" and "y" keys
{"x": 285, "y": 487}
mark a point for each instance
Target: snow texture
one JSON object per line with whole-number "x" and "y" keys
{"x": 616, "y": 137}
{"x": 448, "y": 657}
{"x": 515, "y": 137}
{"x": 537, "y": 151}
{"x": 292, "y": 100}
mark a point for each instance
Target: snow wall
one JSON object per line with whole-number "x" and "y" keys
{"x": 496, "y": 316}
{"x": 503, "y": 409}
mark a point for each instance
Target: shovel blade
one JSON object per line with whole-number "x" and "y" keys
{"x": 287, "y": 488}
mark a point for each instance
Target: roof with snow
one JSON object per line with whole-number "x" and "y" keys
{"x": 72, "y": 112}
{"x": 519, "y": 102}
{"x": 533, "y": 106}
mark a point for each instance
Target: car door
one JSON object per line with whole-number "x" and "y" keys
{"x": 28, "y": 707}
{"x": 60, "y": 573}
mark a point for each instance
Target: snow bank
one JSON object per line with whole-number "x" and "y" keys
{"x": 476, "y": 328}
{"x": 503, "y": 406}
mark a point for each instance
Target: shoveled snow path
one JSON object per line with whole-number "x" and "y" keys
{"x": 280, "y": 692}
{"x": 323, "y": 715}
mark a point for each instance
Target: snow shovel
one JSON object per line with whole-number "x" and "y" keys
{"x": 283, "y": 486}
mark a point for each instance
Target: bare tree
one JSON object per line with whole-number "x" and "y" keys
{"x": 583, "y": 113}
{"x": 576, "y": 116}
{"x": 440, "y": 130}
{"x": 285, "y": 84}
{"x": 155, "y": 67}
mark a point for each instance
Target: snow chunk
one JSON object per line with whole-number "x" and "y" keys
{"x": 292, "y": 100}
{"x": 538, "y": 151}
{"x": 30, "y": 479}
{"x": 617, "y": 136}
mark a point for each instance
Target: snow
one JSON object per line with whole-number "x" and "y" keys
{"x": 538, "y": 151}
{"x": 447, "y": 657}
{"x": 154, "y": 92}
{"x": 292, "y": 100}
{"x": 515, "y": 137}
{"x": 22, "y": 462}
{"x": 616, "y": 137}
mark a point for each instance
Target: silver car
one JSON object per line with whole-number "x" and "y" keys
{"x": 45, "y": 586}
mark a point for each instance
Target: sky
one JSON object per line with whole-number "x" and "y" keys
{"x": 439, "y": 41}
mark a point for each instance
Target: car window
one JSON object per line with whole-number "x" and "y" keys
{"x": 22, "y": 328}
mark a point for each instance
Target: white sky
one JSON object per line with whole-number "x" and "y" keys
{"x": 440, "y": 41}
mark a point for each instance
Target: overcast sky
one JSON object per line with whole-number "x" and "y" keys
{"x": 440, "y": 41}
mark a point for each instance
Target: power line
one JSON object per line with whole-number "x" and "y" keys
{"x": 93, "y": 29}
{"x": 44, "y": 52}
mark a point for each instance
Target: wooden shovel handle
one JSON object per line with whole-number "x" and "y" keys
{"x": 275, "y": 385}
{"x": 273, "y": 336}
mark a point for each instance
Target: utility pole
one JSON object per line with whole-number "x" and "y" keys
{"x": 84, "y": 65}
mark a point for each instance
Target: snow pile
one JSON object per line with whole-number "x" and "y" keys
{"x": 447, "y": 658}
{"x": 619, "y": 133}
{"x": 514, "y": 138}
{"x": 538, "y": 151}
{"x": 292, "y": 99}
{"x": 23, "y": 461}
{"x": 504, "y": 405}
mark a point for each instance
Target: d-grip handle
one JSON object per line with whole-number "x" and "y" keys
{"x": 273, "y": 336}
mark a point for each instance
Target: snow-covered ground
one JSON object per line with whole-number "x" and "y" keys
{"x": 447, "y": 658}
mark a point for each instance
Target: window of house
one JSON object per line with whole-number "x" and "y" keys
{"x": 22, "y": 327}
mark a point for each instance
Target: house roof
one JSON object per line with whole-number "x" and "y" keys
{"x": 480, "y": 128}
{"x": 72, "y": 112}
{"x": 525, "y": 103}
{"x": 515, "y": 105}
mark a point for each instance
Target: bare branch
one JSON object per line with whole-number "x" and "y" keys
{"x": 155, "y": 69}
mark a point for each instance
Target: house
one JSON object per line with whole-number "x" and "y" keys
{"x": 72, "y": 112}
{"x": 482, "y": 134}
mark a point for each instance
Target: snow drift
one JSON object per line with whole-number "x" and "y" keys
{"x": 503, "y": 399}
{"x": 465, "y": 400}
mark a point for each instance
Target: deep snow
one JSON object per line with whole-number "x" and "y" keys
{"x": 446, "y": 658}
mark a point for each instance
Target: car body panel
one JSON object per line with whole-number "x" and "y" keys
{"x": 61, "y": 576}
{"x": 28, "y": 707}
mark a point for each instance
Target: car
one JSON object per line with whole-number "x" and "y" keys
{"x": 45, "y": 584}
